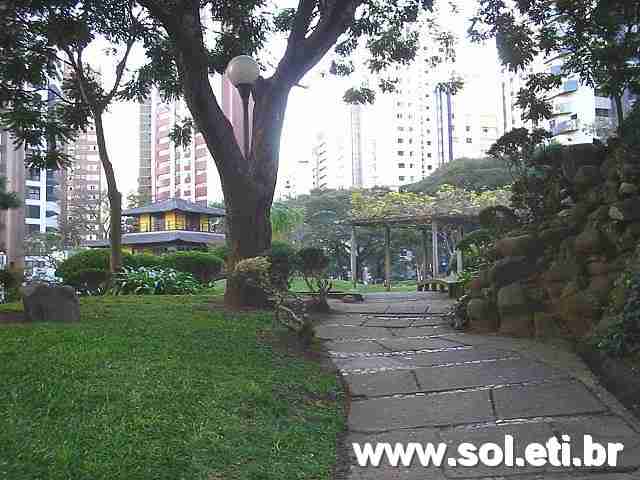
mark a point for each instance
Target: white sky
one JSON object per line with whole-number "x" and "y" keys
{"x": 308, "y": 108}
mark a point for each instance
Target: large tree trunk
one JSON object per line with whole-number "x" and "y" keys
{"x": 248, "y": 198}
{"x": 115, "y": 198}
{"x": 619, "y": 112}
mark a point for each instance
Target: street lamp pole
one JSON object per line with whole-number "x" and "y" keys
{"x": 245, "y": 91}
{"x": 243, "y": 71}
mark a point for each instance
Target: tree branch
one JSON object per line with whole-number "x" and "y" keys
{"x": 302, "y": 54}
{"x": 119, "y": 71}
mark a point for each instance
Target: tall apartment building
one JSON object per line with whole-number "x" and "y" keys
{"x": 145, "y": 149}
{"x": 428, "y": 127}
{"x": 186, "y": 172}
{"x": 84, "y": 186}
{"x": 580, "y": 113}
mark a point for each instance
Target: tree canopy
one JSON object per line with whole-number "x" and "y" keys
{"x": 448, "y": 201}
{"x": 472, "y": 174}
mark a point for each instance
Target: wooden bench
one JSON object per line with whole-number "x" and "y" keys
{"x": 453, "y": 287}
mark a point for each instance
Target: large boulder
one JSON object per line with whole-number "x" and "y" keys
{"x": 516, "y": 316}
{"x": 626, "y": 211}
{"x": 483, "y": 317}
{"x": 511, "y": 269}
{"x": 589, "y": 242}
{"x": 587, "y": 176}
{"x": 521, "y": 246}
{"x": 580, "y": 310}
{"x": 44, "y": 303}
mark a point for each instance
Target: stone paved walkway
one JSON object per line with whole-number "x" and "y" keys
{"x": 414, "y": 379}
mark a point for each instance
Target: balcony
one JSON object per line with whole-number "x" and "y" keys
{"x": 564, "y": 127}
{"x": 208, "y": 227}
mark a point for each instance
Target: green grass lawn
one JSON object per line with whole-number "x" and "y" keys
{"x": 161, "y": 388}
{"x": 298, "y": 285}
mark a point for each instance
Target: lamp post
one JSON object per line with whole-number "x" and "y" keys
{"x": 243, "y": 71}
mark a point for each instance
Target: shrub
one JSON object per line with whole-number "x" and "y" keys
{"x": 87, "y": 271}
{"x": 203, "y": 266}
{"x": 283, "y": 264}
{"x": 138, "y": 260}
{"x": 153, "y": 281}
{"x": 313, "y": 264}
{"x": 11, "y": 285}
{"x": 89, "y": 281}
{"x": 221, "y": 251}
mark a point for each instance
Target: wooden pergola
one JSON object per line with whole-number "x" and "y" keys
{"x": 421, "y": 222}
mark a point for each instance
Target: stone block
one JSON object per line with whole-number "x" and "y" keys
{"x": 511, "y": 269}
{"x": 626, "y": 210}
{"x": 44, "y": 303}
{"x": 521, "y": 246}
{"x": 589, "y": 242}
{"x": 545, "y": 325}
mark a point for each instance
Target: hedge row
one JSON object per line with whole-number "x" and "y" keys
{"x": 91, "y": 267}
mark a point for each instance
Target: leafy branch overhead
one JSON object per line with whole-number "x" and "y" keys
{"x": 447, "y": 201}
{"x": 597, "y": 42}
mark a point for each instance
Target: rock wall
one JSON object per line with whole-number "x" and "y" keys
{"x": 559, "y": 277}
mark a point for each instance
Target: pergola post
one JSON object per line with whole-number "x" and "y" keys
{"x": 354, "y": 257}
{"x": 434, "y": 245}
{"x": 425, "y": 254}
{"x": 387, "y": 257}
{"x": 459, "y": 264}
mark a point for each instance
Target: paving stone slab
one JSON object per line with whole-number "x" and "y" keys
{"x": 333, "y": 332}
{"x": 420, "y": 331}
{"x": 382, "y": 414}
{"x": 372, "y": 362}
{"x": 408, "y": 307}
{"x": 500, "y": 372}
{"x": 522, "y": 434}
{"x": 402, "y": 344}
{"x": 429, "y": 321}
{"x": 395, "y": 473}
{"x": 355, "y": 347}
{"x": 383, "y": 383}
{"x": 414, "y": 471}
{"x": 545, "y": 400}
{"x": 604, "y": 429}
{"x": 388, "y": 322}
{"x": 455, "y": 356}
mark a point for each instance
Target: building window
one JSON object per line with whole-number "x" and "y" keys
{"x": 428, "y": 155}
{"x": 428, "y": 142}
{"x": 401, "y": 129}
{"x": 469, "y": 140}
{"x": 33, "y": 211}
{"x": 603, "y": 112}
{"x": 401, "y": 165}
{"x": 401, "y": 153}
{"x": 485, "y": 130}
{"x": 467, "y": 128}
{"x": 400, "y": 140}
{"x": 33, "y": 193}
{"x": 401, "y": 178}
{"x": 429, "y": 167}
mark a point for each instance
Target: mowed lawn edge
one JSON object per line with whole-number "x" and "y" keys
{"x": 162, "y": 387}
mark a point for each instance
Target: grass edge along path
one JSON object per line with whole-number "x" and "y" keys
{"x": 161, "y": 387}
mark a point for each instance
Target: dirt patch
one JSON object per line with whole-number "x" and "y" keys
{"x": 11, "y": 317}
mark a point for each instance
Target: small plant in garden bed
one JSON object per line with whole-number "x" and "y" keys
{"x": 622, "y": 336}
{"x": 153, "y": 281}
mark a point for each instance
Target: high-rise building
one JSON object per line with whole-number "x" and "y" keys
{"x": 178, "y": 171}
{"x": 145, "y": 150}
{"x": 580, "y": 113}
{"x": 84, "y": 187}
